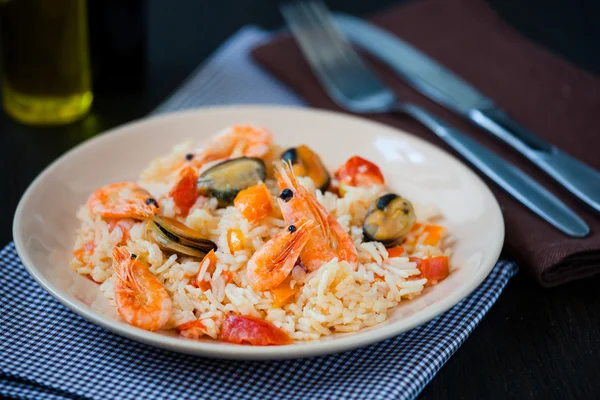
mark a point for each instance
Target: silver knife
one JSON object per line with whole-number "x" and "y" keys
{"x": 441, "y": 85}
{"x": 510, "y": 178}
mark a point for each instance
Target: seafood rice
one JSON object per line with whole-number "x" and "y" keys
{"x": 243, "y": 241}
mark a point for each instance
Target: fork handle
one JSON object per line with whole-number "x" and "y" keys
{"x": 520, "y": 185}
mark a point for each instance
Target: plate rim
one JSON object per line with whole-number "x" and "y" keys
{"x": 226, "y": 350}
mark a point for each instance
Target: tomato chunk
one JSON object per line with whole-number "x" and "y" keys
{"x": 249, "y": 330}
{"x": 254, "y": 203}
{"x": 185, "y": 194}
{"x": 359, "y": 172}
{"x": 434, "y": 269}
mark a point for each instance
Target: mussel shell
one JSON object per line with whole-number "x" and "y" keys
{"x": 226, "y": 179}
{"x": 176, "y": 228}
{"x": 306, "y": 162}
{"x": 172, "y": 235}
{"x": 389, "y": 219}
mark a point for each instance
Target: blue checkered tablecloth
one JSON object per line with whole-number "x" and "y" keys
{"x": 49, "y": 352}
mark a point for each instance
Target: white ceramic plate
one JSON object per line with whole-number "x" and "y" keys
{"x": 45, "y": 222}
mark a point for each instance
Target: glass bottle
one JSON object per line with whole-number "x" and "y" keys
{"x": 45, "y": 60}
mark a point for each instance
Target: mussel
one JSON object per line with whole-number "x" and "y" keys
{"x": 306, "y": 162}
{"x": 226, "y": 179}
{"x": 172, "y": 235}
{"x": 389, "y": 219}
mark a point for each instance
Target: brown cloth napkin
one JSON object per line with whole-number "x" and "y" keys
{"x": 553, "y": 98}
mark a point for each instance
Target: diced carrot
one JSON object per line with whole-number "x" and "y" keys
{"x": 283, "y": 293}
{"x": 211, "y": 259}
{"x": 359, "y": 172}
{"x": 434, "y": 269}
{"x": 431, "y": 235}
{"x": 254, "y": 203}
{"x": 395, "y": 251}
{"x": 185, "y": 194}
{"x": 235, "y": 240}
{"x": 253, "y": 331}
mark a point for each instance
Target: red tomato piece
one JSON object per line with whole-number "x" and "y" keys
{"x": 185, "y": 194}
{"x": 434, "y": 269}
{"x": 249, "y": 330}
{"x": 359, "y": 172}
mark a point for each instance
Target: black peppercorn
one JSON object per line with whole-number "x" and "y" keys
{"x": 189, "y": 156}
{"x": 286, "y": 195}
{"x": 150, "y": 201}
{"x": 133, "y": 256}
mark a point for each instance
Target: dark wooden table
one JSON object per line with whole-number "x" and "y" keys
{"x": 534, "y": 343}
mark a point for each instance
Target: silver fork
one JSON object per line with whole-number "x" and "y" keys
{"x": 353, "y": 86}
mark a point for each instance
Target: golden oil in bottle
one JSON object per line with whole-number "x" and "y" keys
{"x": 45, "y": 60}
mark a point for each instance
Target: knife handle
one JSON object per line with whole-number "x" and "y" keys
{"x": 520, "y": 185}
{"x": 580, "y": 179}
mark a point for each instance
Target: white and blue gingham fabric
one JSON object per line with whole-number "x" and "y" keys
{"x": 49, "y": 352}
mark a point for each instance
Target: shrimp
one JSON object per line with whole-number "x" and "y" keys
{"x": 240, "y": 140}
{"x": 141, "y": 299}
{"x": 122, "y": 200}
{"x": 330, "y": 240}
{"x": 274, "y": 261}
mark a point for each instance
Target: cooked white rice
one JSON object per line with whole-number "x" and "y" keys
{"x": 334, "y": 298}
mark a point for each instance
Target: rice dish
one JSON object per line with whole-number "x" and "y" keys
{"x": 235, "y": 271}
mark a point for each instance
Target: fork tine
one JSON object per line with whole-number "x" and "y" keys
{"x": 327, "y": 43}
{"x": 310, "y": 38}
{"x": 332, "y": 47}
{"x": 321, "y": 15}
{"x": 341, "y": 71}
{"x": 302, "y": 30}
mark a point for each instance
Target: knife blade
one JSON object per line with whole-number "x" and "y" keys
{"x": 448, "y": 89}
